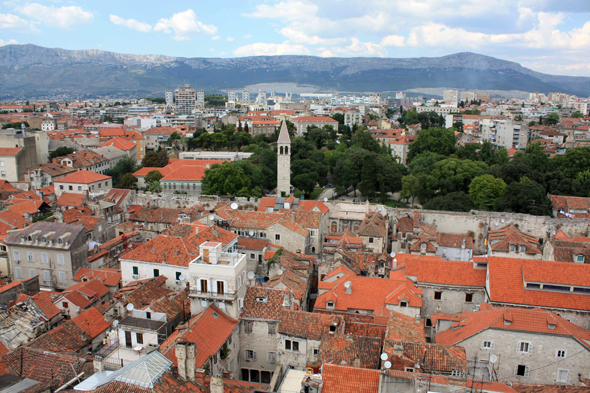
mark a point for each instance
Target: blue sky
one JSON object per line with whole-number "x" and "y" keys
{"x": 545, "y": 35}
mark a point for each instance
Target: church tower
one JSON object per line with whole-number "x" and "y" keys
{"x": 284, "y": 162}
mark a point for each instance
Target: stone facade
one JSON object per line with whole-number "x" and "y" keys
{"x": 284, "y": 162}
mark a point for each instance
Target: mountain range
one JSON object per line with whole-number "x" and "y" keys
{"x": 30, "y": 71}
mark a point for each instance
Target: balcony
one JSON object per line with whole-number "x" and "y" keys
{"x": 227, "y": 296}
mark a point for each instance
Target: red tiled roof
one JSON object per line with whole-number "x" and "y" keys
{"x": 306, "y": 324}
{"x": 70, "y": 199}
{"x": 343, "y": 379}
{"x": 85, "y": 293}
{"x": 9, "y": 151}
{"x": 186, "y": 173}
{"x": 506, "y": 283}
{"x": 83, "y": 177}
{"x": 30, "y": 207}
{"x": 92, "y": 322}
{"x": 145, "y": 170}
{"x": 346, "y": 350}
{"x": 400, "y": 327}
{"x": 269, "y": 308}
{"x": 209, "y": 330}
{"x": 511, "y": 319}
{"x": 502, "y": 239}
{"x": 45, "y": 303}
{"x": 119, "y": 143}
{"x": 109, "y": 277}
{"x": 169, "y": 250}
{"x": 313, "y": 119}
{"x": 252, "y": 244}
{"x": 437, "y": 271}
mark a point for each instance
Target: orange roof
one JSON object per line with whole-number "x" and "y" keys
{"x": 92, "y": 322}
{"x": 30, "y": 207}
{"x": 186, "y": 173}
{"x": 511, "y": 319}
{"x": 169, "y": 250}
{"x": 109, "y": 277}
{"x": 14, "y": 219}
{"x": 145, "y": 170}
{"x": 45, "y": 303}
{"x": 9, "y": 151}
{"x": 343, "y": 379}
{"x": 83, "y": 177}
{"x": 435, "y": 270}
{"x": 209, "y": 330}
{"x": 313, "y": 119}
{"x": 5, "y": 186}
{"x": 507, "y": 283}
{"x": 70, "y": 199}
{"x": 119, "y": 143}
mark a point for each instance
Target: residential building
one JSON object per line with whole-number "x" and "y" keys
{"x": 124, "y": 145}
{"x": 512, "y": 242}
{"x": 301, "y": 123}
{"x": 374, "y": 232}
{"x": 45, "y": 175}
{"x": 451, "y": 97}
{"x": 10, "y": 158}
{"x": 570, "y": 206}
{"x": 86, "y": 160}
{"x": 245, "y": 97}
{"x": 83, "y": 182}
{"x": 54, "y": 251}
{"x": 519, "y": 345}
{"x": 219, "y": 278}
{"x": 185, "y": 99}
{"x": 157, "y": 137}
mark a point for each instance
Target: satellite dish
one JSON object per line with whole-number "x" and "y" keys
{"x": 496, "y": 224}
{"x": 116, "y": 322}
{"x": 493, "y": 358}
{"x": 378, "y": 208}
{"x": 392, "y": 254}
{"x": 553, "y": 233}
{"x": 325, "y": 199}
{"x": 280, "y": 271}
{"x": 384, "y": 356}
{"x": 347, "y": 284}
{"x": 251, "y": 233}
{"x": 211, "y": 217}
{"x": 130, "y": 307}
{"x": 182, "y": 277}
{"x": 138, "y": 348}
{"x": 387, "y": 364}
{"x": 250, "y": 275}
{"x": 502, "y": 220}
{"x": 234, "y": 206}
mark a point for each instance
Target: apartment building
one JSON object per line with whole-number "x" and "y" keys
{"x": 52, "y": 251}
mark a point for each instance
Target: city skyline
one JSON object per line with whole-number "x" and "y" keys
{"x": 546, "y": 36}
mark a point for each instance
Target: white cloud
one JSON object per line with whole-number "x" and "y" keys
{"x": 184, "y": 24}
{"x": 437, "y": 34}
{"x": 269, "y": 49}
{"x": 357, "y": 48}
{"x": 230, "y": 39}
{"x": 248, "y": 36}
{"x": 130, "y": 23}
{"x": 393, "y": 40}
{"x": 285, "y": 10}
{"x": 9, "y": 42}
{"x": 67, "y": 17}
{"x": 215, "y": 37}
{"x": 300, "y": 37}
{"x": 14, "y": 22}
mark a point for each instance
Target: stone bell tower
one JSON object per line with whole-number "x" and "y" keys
{"x": 284, "y": 162}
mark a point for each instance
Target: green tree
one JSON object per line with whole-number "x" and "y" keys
{"x": 454, "y": 202}
{"x": 485, "y": 189}
{"x": 410, "y": 187}
{"x": 436, "y": 140}
{"x": 163, "y": 158}
{"x": 153, "y": 176}
{"x": 525, "y": 196}
{"x": 60, "y": 152}
{"x": 577, "y": 114}
{"x": 455, "y": 175}
{"x": 154, "y": 187}
{"x": 151, "y": 159}
{"x": 127, "y": 181}
{"x": 551, "y": 119}
{"x": 225, "y": 179}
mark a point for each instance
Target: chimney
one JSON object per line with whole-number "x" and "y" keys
{"x": 180, "y": 352}
{"x": 416, "y": 218}
{"x": 186, "y": 356}
{"x": 348, "y": 286}
{"x": 463, "y": 243}
{"x": 216, "y": 384}
{"x": 286, "y": 298}
{"x": 398, "y": 350}
{"x": 215, "y": 231}
{"x": 200, "y": 377}
{"x": 298, "y": 253}
{"x": 356, "y": 363}
{"x": 417, "y": 318}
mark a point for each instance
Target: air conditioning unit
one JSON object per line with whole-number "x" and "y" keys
{"x": 136, "y": 276}
{"x": 17, "y": 262}
{"x": 178, "y": 282}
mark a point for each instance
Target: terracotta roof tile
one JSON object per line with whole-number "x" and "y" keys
{"x": 252, "y": 244}
{"x": 400, "y": 327}
{"x": 343, "y": 379}
{"x": 375, "y": 225}
{"x": 83, "y": 177}
{"x": 346, "y": 350}
{"x": 502, "y": 239}
{"x": 92, "y": 322}
{"x": 71, "y": 199}
{"x": 262, "y": 303}
{"x": 308, "y": 325}
{"x": 438, "y": 271}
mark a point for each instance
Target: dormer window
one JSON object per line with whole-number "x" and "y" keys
{"x": 580, "y": 258}
{"x": 29, "y": 238}
{"x": 330, "y": 304}
{"x": 522, "y": 248}
{"x": 44, "y": 239}
{"x": 512, "y": 248}
{"x": 60, "y": 241}
{"x": 403, "y": 304}
{"x": 551, "y": 326}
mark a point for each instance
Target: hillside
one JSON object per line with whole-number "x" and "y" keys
{"x": 28, "y": 71}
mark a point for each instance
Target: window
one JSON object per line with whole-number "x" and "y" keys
{"x": 316, "y": 352}
{"x": 135, "y": 270}
{"x": 579, "y": 258}
{"x": 371, "y": 240}
{"x": 292, "y": 345}
{"x": 62, "y": 277}
{"x": 44, "y": 257}
{"x": 278, "y": 237}
{"x": 438, "y": 295}
{"x": 428, "y": 322}
{"x": 3, "y": 174}
{"x": 272, "y": 328}
{"x": 561, "y": 353}
{"x": 220, "y": 287}
{"x": 487, "y": 345}
{"x": 409, "y": 369}
{"x": 250, "y": 354}
{"x": 1, "y": 163}
{"x": 156, "y": 272}
{"x": 522, "y": 248}
{"x": 70, "y": 188}
{"x": 272, "y": 357}
{"x": 403, "y": 304}
{"x": 204, "y": 288}
{"x": 330, "y": 304}
{"x": 60, "y": 259}
{"x": 468, "y": 297}
{"x": 79, "y": 188}
{"x": 248, "y": 327}
{"x": 148, "y": 315}
{"x": 563, "y": 375}
{"x": 178, "y": 274}
{"x": 46, "y": 275}
{"x": 512, "y": 248}
{"x": 139, "y": 338}
{"x": 524, "y": 347}
{"x": 252, "y": 256}
{"x": 32, "y": 273}
{"x": 522, "y": 370}
{"x": 30, "y": 256}
{"x": 16, "y": 255}
{"x": 18, "y": 273}
{"x": 64, "y": 304}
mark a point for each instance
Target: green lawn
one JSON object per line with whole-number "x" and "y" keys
{"x": 394, "y": 204}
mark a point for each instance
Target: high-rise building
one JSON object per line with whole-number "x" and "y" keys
{"x": 200, "y": 99}
{"x": 231, "y": 96}
{"x": 451, "y": 97}
{"x": 169, "y": 95}
{"x": 245, "y": 97}
{"x": 284, "y": 162}
{"x": 185, "y": 99}
{"x": 261, "y": 99}
{"x": 468, "y": 96}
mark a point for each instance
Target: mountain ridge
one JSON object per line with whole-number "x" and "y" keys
{"x": 34, "y": 71}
